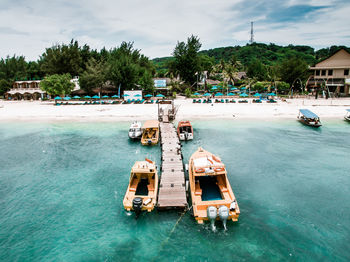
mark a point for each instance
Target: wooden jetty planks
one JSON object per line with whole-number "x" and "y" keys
{"x": 172, "y": 187}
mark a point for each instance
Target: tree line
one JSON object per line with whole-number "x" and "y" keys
{"x": 126, "y": 67}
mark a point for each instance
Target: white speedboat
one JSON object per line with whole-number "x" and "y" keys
{"x": 135, "y": 130}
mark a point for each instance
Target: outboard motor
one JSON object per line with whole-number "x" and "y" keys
{"x": 186, "y": 135}
{"x": 212, "y": 214}
{"x": 223, "y": 214}
{"x": 137, "y": 205}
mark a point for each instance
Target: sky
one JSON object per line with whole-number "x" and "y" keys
{"x": 27, "y": 27}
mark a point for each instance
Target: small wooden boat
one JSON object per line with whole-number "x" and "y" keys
{"x": 150, "y": 134}
{"x": 185, "y": 130}
{"x": 211, "y": 192}
{"x": 309, "y": 118}
{"x": 142, "y": 191}
{"x": 347, "y": 116}
{"x": 135, "y": 131}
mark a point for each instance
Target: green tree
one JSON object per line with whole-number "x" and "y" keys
{"x": 128, "y": 68}
{"x": 293, "y": 68}
{"x": 186, "y": 61}
{"x": 4, "y": 86}
{"x": 94, "y": 76}
{"x": 62, "y": 59}
{"x": 257, "y": 70}
{"x": 57, "y": 84}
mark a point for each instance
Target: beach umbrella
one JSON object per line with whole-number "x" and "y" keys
{"x": 219, "y": 94}
{"x": 271, "y": 94}
{"x": 196, "y": 94}
{"x": 96, "y": 97}
{"x": 230, "y": 85}
{"x": 105, "y": 97}
{"x": 233, "y": 88}
{"x": 207, "y": 94}
{"x": 87, "y": 97}
{"x": 126, "y": 95}
{"x": 76, "y": 97}
{"x": 243, "y": 88}
{"x": 148, "y": 95}
{"x": 159, "y": 95}
{"x": 230, "y": 94}
{"x": 138, "y": 95}
{"x": 257, "y": 94}
{"x": 58, "y": 98}
{"x": 214, "y": 88}
{"x": 67, "y": 98}
{"x": 115, "y": 96}
{"x": 243, "y": 95}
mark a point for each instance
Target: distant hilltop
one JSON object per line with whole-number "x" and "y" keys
{"x": 268, "y": 54}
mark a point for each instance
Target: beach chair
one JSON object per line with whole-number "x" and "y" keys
{"x": 209, "y": 101}
{"x": 233, "y": 101}
{"x": 194, "y": 101}
{"x": 142, "y": 101}
{"x": 226, "y": 100}
{"x": 222, "y": 101}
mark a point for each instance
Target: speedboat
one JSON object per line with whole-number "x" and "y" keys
{"x": 185, "y": 130}
{"x": 135, "y": 131}
{"x": 150, "y": 134}
{"x": 211, "y": 192}
{"x": 347, "y": 116}
{"x": 309, "y": 118}
{"x": 141, "y": 194}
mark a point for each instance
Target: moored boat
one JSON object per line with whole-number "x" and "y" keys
{"x": 185, "y": 130}
{"x": 211, "y": 192}
{"x": 309, "y": 118}
{"x": 142, "y": 191}
{"x": 135, "y": 131}
{"x": 150, "y": 133}
{"x": 347, "y": 116}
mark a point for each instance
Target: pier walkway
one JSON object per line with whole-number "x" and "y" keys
{"x": 172, "y": 187}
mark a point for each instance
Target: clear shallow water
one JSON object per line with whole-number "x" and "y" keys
{"x": 62, "y": 185}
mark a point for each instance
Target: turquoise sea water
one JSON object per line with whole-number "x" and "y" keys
{"x": 62, "y": 185}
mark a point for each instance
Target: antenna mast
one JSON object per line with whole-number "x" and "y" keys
{"x": 251, "y": 33}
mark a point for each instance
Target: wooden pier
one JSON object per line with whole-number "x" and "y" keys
{"x": 172, "y": 187}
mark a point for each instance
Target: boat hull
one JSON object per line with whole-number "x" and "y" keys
{"x": 202, "y": 183}
{"x": 308, "y": 123}
{"x": 143, "y": 184}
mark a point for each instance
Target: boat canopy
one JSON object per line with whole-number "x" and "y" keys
{"x": 151, "y": 124}
{"x": 307, "y": 113}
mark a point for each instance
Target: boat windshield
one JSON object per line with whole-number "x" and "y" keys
{"x": 185, "y": 129}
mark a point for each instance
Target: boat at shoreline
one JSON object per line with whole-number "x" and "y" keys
{"x": 211, "y": 192}
{"x": 347, "y": 116}
{"x": 185, "y": 130}
{"x": 150, "y": 133}
{"x": 135, "y": 130}
{"x": 309, "y": 118}
{"x": 141, "y": 194}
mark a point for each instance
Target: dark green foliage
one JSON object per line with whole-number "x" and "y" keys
{"x": 293, "y": 68}
{"x": 129, "y": 69}
{"x": 62, "y": 59}
{"x": 186, "y": 61}
{"x": 13, "y": 68}
{"x": 4, "y": 86}
{"x": 94, "y": 76}
{"x": 257, "y": 70}
{"x": 57, "y": 84}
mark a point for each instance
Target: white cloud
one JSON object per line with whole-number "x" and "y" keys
{"x": 155, "y": 25}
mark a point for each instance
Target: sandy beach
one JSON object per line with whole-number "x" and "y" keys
{"x": 46, "y": 111}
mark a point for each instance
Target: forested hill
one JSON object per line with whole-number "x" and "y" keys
{"x": 268, "y": 54}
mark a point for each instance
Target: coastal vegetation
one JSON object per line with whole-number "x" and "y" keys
{"x": 125, "y": 67}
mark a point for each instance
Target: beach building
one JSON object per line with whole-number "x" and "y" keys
{"x": 26, "y": 89}
{"x": 332, "y": 73}
{"x": 30, "y": 89}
